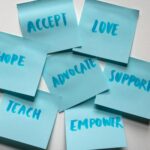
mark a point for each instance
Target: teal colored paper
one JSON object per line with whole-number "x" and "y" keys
{"x": 93, "y": 137}
{"x": 117, "y": 28}
{"x": 131, "y": 93}
{"x": 57, "y": 35}
{"x": 21, "y": 64}
{"x": 75, "y": 88}
{"x": 28, "y": 130}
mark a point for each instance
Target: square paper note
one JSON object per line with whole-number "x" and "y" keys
{"x": 129, "y": 89}
{"x": 75, "y": 78}
{"x": 107, "y": 31}
{"x": 88, "y": 128}
{"x": 29, "y": 123}
{"x": 21, "y": 64}
{"x": 52, "y": 22}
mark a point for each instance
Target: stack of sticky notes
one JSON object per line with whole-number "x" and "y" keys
{"x": 67, "y": 56}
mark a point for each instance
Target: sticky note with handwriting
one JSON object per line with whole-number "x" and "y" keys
{"x": 129, "y": 88}
{"x": 107, "y": 31}
{"x": 73, "y": 77}
{"x": 28, "y": 123}
{"x": 21, "y": 64}
{"x": 89, "y": 128}
{"x": 52, "y": 22}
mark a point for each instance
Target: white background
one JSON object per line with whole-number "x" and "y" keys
{"x": 138, "y": 134}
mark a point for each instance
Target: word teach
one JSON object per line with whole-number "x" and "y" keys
{"x": 20, "y": 109}
{"x": 105, "y": 27}
{"x": 130, "y": 80}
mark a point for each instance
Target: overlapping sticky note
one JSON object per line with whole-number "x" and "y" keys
{"x": 130, "y": 88}
{"x": 21, "y": 64}
{"x": 73, "y": 77}
{"x": 88, "y": 128}
{"x": 52, "y": 22}
{"x": 29, "y": 123}
{"x": 107, "y": 31}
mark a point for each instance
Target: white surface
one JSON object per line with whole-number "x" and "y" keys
{"x": 138, "y": 134}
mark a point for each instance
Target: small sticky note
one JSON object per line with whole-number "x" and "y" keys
{"x": 107, "y": 31}
{"x": 88, "y": 128}
{"x": 28, "y": 123}
{"x": 73, "y": 77}
{"x": 129, "y": 89}
{"x": 52, "y": 22}
{"x": 21, "y": 64}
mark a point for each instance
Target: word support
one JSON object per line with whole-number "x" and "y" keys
{"x": 20, "y": 109}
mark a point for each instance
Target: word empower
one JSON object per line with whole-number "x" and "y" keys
{"x": 95, "y": 122}
{"x": 60, "y": 79}
{"x": 20, "y": 109}
{"x": 47, "y": 23}
{"x": 12, "y": 59}
{"x": 130, "y": 80}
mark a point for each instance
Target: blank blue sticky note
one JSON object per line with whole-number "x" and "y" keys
{"x": 29, "y": 123}
{"x": 52, "y": 22}
{"x": 129, "y": 88}
{"x": 73, "y": 77}
{"x": 88, "y": 128}
{"x": 21, "y": 64}
{"x": 107, "y": 31}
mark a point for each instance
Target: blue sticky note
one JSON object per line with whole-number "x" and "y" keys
{"x": 52, "y": 22}
{"x": 75, "y": 78}
{"x": 21, "y": 64}
{"x": 29, "y": 123}
{"x": 88, "y": 128}
{"x": 107, "y": 31}
{"x": 129, "y": 89}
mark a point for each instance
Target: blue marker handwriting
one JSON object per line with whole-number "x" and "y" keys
{"x": 47, "y": 23}
{"x": 105, "y": 27}
{"x": 130, "y": 80}
{"x": 84, "y": 66}
{"x": 12, "y": 59}
{"x": 77, "y": 125}
{"x": 20, "y": 109}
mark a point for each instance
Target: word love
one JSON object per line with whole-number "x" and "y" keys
{"x": 12, "y": 59}
{"x": 130, "y": 80}
{"x": 103, "y": 27}
{"x": 60, "y": 79}
{"x": 76, "y": 125}
{"x": 47, "y": 23}
{"x": 20, "y": 109}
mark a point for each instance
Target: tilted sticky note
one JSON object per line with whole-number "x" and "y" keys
{"x": 88, "y": 128}
{"x": 75, "y": 78}
{"x": 107, "y": 31}
{"x": 29, "y": 123}
{"x": 129, "y": 89}
{"x": 21, "y": 64}
{"x": 52, "y": 22}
